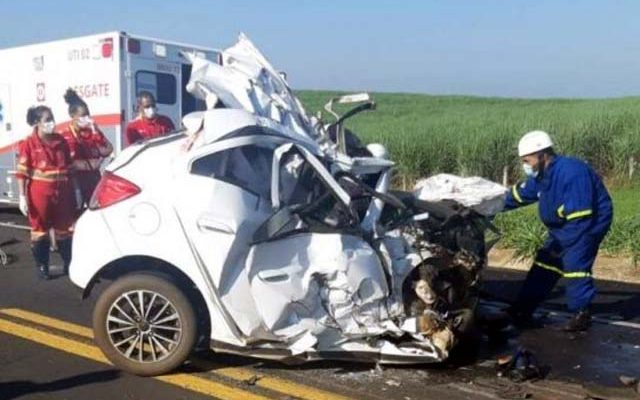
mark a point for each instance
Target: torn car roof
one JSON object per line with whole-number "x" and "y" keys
{"x": 247, "y": 81}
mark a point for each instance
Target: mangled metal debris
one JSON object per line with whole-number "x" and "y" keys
{"x": 289, "y": 231}
{"x": 344, "y": 264}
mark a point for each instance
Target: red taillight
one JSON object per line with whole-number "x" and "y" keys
{"x": 110, "y": 190}
{"x": 107, "y": 48}
{"x": 133, "y": 46}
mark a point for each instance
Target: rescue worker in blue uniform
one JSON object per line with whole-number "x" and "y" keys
{"x": 576, "y": 208}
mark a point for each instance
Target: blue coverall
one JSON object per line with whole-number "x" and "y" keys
{"x": 576, "y": 208}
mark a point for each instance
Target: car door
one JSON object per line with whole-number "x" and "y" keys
{"x": 288, "y": 255}
{"x": 222, "y": 199}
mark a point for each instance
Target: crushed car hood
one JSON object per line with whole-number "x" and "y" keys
{"x": 392, "y": 286}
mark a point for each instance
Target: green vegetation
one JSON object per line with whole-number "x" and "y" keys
{"x": 523, "y": 231}
{"x": 478, "y": 136}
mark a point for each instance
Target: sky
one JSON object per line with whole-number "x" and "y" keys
{"x": 507, "y": 48}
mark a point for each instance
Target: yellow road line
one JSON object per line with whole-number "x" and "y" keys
{"x": 185, "y": 381}
{"x": 240, "y": 374}
{"x": 273, "y": 383}
{"x": 54, "y": 341}
{"x": 208, "y": 387}
{"x": 48, "y": 321}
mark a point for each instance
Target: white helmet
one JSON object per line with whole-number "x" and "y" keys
{"x": 534, "y": 142}
{"x": 377, "y": 150}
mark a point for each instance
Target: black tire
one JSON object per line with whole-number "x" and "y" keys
{"x": 177, "y": 336}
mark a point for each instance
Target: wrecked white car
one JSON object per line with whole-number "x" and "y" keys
{"x": 258, "y": 230}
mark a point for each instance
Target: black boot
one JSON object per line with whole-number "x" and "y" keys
{"x": 579, "y": 322}
{"x": 524, "y": 319}
{"x": 40, "y": 250}
{"x": 64, "y": 248}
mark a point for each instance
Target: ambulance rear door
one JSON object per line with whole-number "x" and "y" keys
{"x": 151, "y": 67}
{"x": 7, "y": 145}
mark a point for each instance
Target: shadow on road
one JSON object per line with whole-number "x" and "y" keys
{"x": 15, "y": 389}
{"x": 617, "y": 300}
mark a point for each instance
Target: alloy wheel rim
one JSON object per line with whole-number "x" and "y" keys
{"x": 144, "y": 326}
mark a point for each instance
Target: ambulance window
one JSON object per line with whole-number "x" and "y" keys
{"x": 248, "y": 167}
{"x": 162, "y": 86}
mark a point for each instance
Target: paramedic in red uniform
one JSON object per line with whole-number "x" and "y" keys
{"x": 149, "y": 123}
{"x": 88, "y": 146}
{"x": 47, "y": 190}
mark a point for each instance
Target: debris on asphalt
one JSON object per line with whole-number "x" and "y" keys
{"x": 392, "y": 382}
{"x": 516, "y": 393}
{"x": 486, "y": 364}
{"x": 594, "y": 391}
{"x": 4, "y": 258}
{"x": 251, "y": 381}
{"x": 504, "y": 360}
{"x": 628, "y": 380}
{"x": 631, "y": 381}
{"x": 521, "y": 366}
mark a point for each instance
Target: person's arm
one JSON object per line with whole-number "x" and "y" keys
{"x": 522, "y": 194}
{"x": 25, "y": 167}
{"x": 23, "y": 174}
{"x": 73, "y": 171}
{"x": 577, "y": 208}
{"x": 73, "y": 145}
{"x": 169, "y": 124}
{"x": 22, "y": 186}
{"x": 104, "y": 145}
{"x": 131, "y": 135}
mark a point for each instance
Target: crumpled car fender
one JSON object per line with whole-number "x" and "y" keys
{"x": 312, "y": 281}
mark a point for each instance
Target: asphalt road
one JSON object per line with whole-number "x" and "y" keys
{"x": 46, "y": 352}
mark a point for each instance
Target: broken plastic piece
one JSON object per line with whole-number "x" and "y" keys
{"x": 519, "y": 367}
{"x": 482, "y": 195}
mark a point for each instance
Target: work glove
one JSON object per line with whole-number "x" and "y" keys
{"x": 79, "y": 202}
{"x": 23, "y": 205}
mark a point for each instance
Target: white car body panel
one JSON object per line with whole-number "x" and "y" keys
{"x": 308, "y": 293}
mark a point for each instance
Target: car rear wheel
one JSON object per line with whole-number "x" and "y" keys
{"x": 145, "y": 324}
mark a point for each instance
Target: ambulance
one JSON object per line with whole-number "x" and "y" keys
{"x": 107, "y": 70}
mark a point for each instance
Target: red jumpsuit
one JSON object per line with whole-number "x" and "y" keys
{"x": 145, "y": 129}
{"x": 46, "y": 167}
{"x": 87, "y": 149}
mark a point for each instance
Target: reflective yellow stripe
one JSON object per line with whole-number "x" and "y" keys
{"x": 516, "y": 195}
{"x": 60, "y": 178}
{"x": 23, "y": 172}
{"x": 576, "y": 275}
{"x": 52, "y": 172}
{"x": 561, "y": 211}
{"x": 50, "y": 176}
{"x": 558, "y": 271}
{"x": 579, "y": 214}
{"x": 548, "y": 267}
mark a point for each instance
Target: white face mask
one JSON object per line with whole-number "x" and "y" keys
{"x": 48, "y": 127}
{"x": 84, "y": 122}
{"x": 149, "y": 112}
{"x": 529, "y": 171}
